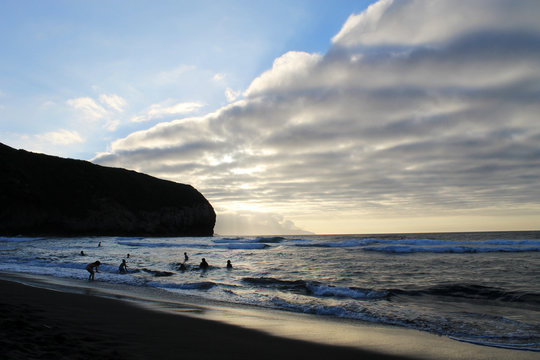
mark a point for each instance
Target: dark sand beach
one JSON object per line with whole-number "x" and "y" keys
{"x": 45, "y": 324}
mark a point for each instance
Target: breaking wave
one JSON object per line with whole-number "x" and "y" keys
{"x": 397, "y": 249}
{"x": 314, "y": 288}
{"x": 404, "y": 246}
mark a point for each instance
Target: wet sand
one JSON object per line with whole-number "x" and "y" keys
{"x": 45, "y": 324}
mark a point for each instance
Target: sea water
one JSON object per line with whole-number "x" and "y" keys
{"x": 482, "y": 288}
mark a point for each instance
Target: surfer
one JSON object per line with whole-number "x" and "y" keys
{"x": 82, "y": 253}
{"x": 203, "y": 265}
{"x": 229, "y": 265}
{"x": 186, "y": 258}
{"x": 92, "y": 269}
{"x": 123, "y": 267}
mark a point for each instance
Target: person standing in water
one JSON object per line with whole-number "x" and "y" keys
{"x": 186, "y": 258}
{"x": 123, "y": 267}
{"x": 203, "y": 265}
{"x": 92, "y": 269}
{"x": 229, "y": 265}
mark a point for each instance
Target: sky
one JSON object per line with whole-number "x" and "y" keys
{"x": 292, "y": 117}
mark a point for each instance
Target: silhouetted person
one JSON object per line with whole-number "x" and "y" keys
{"x": 229, "y": 265}
{"x": 123, "y": 267}
{"x": 90, "y": 268}
{"x": 203, "y": 265}
{"x": 186, "y": 258}
{"x": 99, "y": 245}
{"x": 128, "y": 256}
{"x": 82, "y": 253}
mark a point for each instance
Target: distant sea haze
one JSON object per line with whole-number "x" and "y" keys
{"x": 476, "y": 287}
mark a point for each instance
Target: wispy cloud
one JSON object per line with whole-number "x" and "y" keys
{"x": 231, "y": 94}
{"x": 105, "y": 111}
{"x": 218, "y": 77}
{"x": 60, "y": 137}
{"x": 52, "y": 142}
{"x": 113, "y": 101}
{"x": 158, "y": 111}
{"x": 418, "y": 108}
{"x": 88, "y": 107}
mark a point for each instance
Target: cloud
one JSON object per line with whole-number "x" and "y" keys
{"x": 417, "y": 23}
{"x": 218, "y": 77}
{"x": 361, "y": 24}
{"x": 60, "y": 137}
{"x": 231, "y": 94}
{"x": 113, "y": 101}
{"x": 418, "y": 108}
{"x": 158, "y": 111}
{"x": 57, "y": 142}
{"x": 87, "y": 107}
{"x": 286, "y": 71}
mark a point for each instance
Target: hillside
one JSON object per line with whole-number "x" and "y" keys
{"x": 47, "y": 195}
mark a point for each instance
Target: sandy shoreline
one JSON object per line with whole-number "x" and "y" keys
{"x": 42, "y": 323}
{"x": 39, "y": 323}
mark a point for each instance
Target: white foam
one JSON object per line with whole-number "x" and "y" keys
{"x": 161, "y": 244}
{"x": 324, "y": 290}
{"x": 205, "y": 285}
{"x": 316, "y": 309}
{"x": 528, "y": 347}
{"x": 243, "y": 246}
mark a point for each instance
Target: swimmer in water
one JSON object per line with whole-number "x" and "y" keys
{"x": 123, "y": 267}
{"x": 229, "y": 265}
{"x": 203, "y": 265}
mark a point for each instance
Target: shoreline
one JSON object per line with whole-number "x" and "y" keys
{"x": 141, "y": 323}
{"x": 42, "y": 323}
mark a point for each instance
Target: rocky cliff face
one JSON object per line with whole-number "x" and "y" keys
{"x": 47, "y": 195}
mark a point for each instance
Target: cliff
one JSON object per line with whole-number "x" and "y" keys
{"x": 47, "y": 195}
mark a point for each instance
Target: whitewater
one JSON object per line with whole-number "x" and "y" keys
{"x": 481, "y": 288}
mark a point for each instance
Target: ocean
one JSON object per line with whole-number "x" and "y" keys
{"x": 482, "y": 288}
